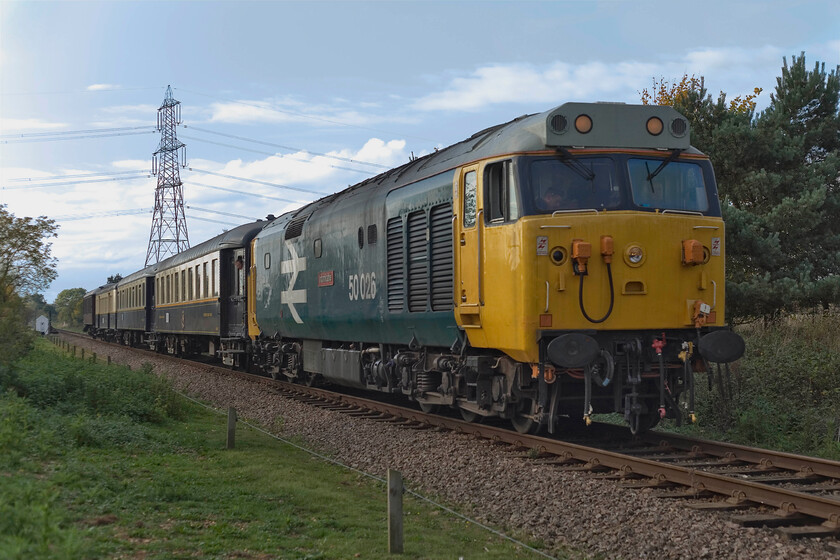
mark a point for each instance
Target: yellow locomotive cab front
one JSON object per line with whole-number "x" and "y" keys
{"x": 597, "y": 265}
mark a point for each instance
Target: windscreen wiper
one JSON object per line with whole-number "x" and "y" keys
{"x": 576, "y": 166}
{"x": 674, "y": 155}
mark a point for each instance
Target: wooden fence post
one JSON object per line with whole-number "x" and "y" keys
{"x": 74, "y": 350}
{"x": 231, "y": 433}
{"x": 395, "y": 512}
{"x": 109, "y": 359}
{"x": 93, "y": 359}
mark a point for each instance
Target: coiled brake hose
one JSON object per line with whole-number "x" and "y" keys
{"x": 612, "y": 298}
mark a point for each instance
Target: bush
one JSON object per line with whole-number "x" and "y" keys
{"x": 785, "y": 390}
{"x": 71, "y": 387}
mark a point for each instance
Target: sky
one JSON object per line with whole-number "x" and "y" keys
{"x": 284, "y": 102}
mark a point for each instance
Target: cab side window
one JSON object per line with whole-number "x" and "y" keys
{"x": 501, "y": 203}
{"x": 470, "y": 199}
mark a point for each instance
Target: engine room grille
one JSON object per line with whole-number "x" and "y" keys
{"x": 440, "y": 218}
{"x": 295, "y": 227}
{"x": 396, "y": 274}
{"x": 418, "y": 261}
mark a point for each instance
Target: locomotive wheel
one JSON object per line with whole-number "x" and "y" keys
{"x": 644, "y": 421}
{"x": 469, "y": 416}
{"x": 523, "y": 424}
{"x": 428, "y": 408}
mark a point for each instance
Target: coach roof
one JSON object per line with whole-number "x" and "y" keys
{"x": 239, "y": 236}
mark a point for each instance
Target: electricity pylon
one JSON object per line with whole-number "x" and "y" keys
{"x": 169, "y": 225}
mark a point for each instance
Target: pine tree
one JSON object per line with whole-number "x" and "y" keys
{"x": 783, "y": 237}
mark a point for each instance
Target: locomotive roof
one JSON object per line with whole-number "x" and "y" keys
{"x": 614, "y": 125}
{"x": 236, "y": 237}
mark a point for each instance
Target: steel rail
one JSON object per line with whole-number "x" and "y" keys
{"x": 765, "y": 457}
{"x": 787, "y": 501}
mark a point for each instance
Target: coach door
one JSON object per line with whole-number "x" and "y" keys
{"x": 468, "y": 239}
{"x": 235, "y": 305}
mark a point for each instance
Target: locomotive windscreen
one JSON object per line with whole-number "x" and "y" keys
{"x": 616, "y": 182}
{"x": 678, "y": 185}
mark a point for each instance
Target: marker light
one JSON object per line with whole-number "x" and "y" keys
{"x": 655, "y": 126}
{"x": 583, "y": 124}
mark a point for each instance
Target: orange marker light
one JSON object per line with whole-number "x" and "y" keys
{"x": 692, "y": 252}
{"x": 583, "y": 124}
{"x": 581, "y": 251}
{"x": 607, "y": 248}
{"x": 655, "y": 126}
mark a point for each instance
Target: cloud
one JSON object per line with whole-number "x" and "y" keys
{"x": 520, "y": 83}
{"x": 246, "y": 111}
{"x": 731, "y": 69}
{"x": 102, "y": 87}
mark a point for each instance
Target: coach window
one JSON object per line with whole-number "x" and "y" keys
{"x": 500, "y": 201}
{"x": 183, "y": 285}
{"x": 470, "y": 199}
{"x": 206, "y": 282}
{"x": 197, "y": 281}
{"x": 213, "y": 277}
{"x": 190, "y": 283}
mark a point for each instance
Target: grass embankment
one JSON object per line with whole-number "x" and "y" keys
{"x": 784, "y": 393}
{"x": 103, "y": 461}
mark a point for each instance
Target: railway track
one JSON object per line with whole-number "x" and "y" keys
{"x": 797, "y": 495}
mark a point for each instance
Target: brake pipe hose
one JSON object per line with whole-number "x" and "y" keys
{"x": 612, "y": 298}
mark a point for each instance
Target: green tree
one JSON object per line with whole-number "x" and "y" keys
{"x": 68, "y": 305}
{"x": 25, "y": 267}
{"x": 114, "y": 279}
{"x": 777, "y": 176}
{"x": 784, "y": 247}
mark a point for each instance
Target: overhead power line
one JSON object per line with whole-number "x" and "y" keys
{"x": 81, "y": 137}
{"x": 70, "y": 183}
{"x": 75, "y": 175}
{"x": 274, "y": 185}
{"x": 86, "y": 90}
{"x": 104, "y": 214}
{"x": 228, "y": 224}
{"x": 304, "y": 115}
{"x": 243, "y": 193}
{"x": 245, "y": 139}
{"x": 262, "y": 152}
{"x": 220, "y": 213}
{"x": 88, "y": 131}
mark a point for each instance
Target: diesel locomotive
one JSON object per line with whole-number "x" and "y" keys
{"x": 565, "y": 263}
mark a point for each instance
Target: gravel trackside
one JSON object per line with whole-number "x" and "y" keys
{"x": 571, "y": 512}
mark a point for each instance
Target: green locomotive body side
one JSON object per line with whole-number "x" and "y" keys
{"x": 322, "y": 273}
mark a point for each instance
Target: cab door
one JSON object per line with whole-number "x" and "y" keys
{"x": 468, "y": 235}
